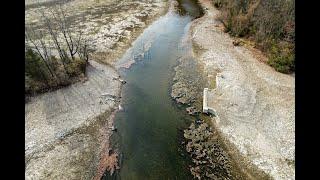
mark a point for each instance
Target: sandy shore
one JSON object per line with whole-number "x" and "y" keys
{"x": 254, "y": 104}
{"x": 67, "y": 131}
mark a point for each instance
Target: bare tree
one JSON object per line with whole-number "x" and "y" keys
{"x": 66, "y": 43}
{"x": 84, "y": 50}
{"x": 73, "y": 43}
{"x": 60, "y": 19}
{"x": 32, "y": 37}
{"x": 54, "y": 36}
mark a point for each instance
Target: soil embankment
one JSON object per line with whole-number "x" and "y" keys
{"x": 254, "y": 104}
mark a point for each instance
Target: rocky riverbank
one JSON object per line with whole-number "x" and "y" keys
{"x": 67, "y": 130}
{"x": 210, "y": 158}
{"x": 253, "y": 128}
{"x": 188, "y": 79}
{"x": 254, "y": 104}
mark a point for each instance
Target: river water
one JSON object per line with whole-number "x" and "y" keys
{"x": 149, "y": 128}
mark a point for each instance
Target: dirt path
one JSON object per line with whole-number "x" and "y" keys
{"x": 255, "y": 104}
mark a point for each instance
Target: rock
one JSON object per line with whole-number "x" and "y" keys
{"x": 192, "y": 110}
{"x": 206, "y": 153}
{"x": 237, "y": 42}
{"x": 113, "y": 128}
{"x": 120, "y": 108}
{"x": 199, "y": 121}
{"x": 122, "y": 81}
{"x": 109, "y": 95}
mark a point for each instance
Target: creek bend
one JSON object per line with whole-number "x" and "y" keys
{"x": 149, "y": 126}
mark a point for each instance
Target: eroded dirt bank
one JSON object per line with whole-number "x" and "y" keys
{"x": 254, "y": 104}
{"x": 67, "y": 131}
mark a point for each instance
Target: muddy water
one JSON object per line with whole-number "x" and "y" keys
{"x": 149, "y": 126}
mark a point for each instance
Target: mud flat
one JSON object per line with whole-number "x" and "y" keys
{"x": 67, "y": 131}
{"x": 254, "y": 104}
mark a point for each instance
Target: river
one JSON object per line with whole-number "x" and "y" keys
{"x": 149, "y": 128}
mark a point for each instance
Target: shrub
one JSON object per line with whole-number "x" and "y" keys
{"x": 281, "y": 57}
{"x": 270, "y": 23}
{"x": 38, "y": 78}
{"x": 76, "y": 67}
{"x": 35, "y": 67}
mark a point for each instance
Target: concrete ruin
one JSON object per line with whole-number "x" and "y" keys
{"x": 205, "y": 108}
